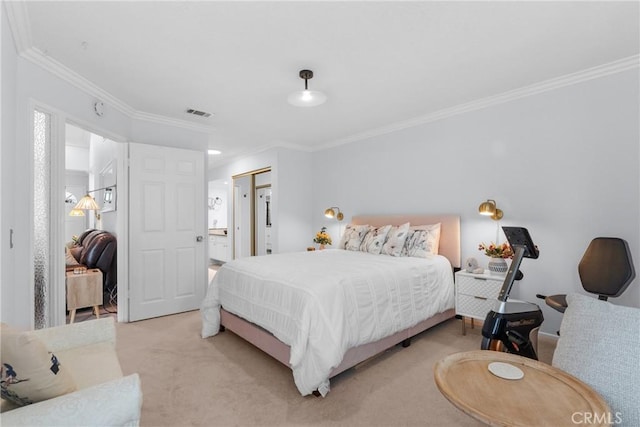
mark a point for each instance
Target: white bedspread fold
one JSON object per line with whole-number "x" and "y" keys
{"x": 322, "y": 303}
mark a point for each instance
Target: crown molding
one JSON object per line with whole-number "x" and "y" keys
{"x": 599, "y": 71}
{"x": 63, "y": 72}
{"x": 18, "y": 18}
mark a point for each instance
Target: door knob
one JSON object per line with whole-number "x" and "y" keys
{"x": 199, "y": 239}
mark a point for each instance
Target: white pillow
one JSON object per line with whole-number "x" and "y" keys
{"x": 395, "y": 240}
{"x": 373, "y": 241}
{"x": 352, "y": 237}
{"x": 423, "y": 242}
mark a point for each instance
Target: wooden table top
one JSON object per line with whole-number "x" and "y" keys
{"x": 546, "y": 396}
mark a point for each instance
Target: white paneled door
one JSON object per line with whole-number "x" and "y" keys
{"x": 167, "y": 231}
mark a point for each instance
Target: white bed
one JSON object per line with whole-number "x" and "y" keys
{"x": 322, "y": 312}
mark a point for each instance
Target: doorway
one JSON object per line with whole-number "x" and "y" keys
{"x": 252, "y": 213}
{"x": 89, "y": 169}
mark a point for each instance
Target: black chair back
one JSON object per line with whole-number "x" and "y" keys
{"x": 606, "y": 268}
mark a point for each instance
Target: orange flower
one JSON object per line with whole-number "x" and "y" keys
{"x": 496, "y": 251}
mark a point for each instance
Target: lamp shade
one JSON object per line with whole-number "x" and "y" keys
{"x": 489, "y": 208}
{"x": 76, "y": 212}
{"x": 334, "y": 212}
{"x": 306, "y": 97}
{"x": 87, "y": 203}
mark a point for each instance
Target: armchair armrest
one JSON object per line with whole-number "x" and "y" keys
{"x": 114, "y": 403}
{"x": 78, "y": 334}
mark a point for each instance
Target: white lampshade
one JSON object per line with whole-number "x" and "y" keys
{"x": 307, "y": 98}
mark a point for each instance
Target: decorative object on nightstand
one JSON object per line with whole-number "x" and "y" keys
{"x": 471, "y": 266}
{"x": 475, "y": 295}
{"x": 497, "y": 256}
{"x": 322, "y": 238}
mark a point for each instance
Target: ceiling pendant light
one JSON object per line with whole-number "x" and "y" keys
{"x": 306, "y": 97}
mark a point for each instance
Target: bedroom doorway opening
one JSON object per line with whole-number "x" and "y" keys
{"x": 252, "y": 213}
{"x": 90, "y": 169}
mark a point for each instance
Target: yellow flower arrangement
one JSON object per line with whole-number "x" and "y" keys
{"x": 496, "y": 251}
{"x": 322, "y": 237}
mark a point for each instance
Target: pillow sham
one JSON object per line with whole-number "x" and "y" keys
{"x": 352, "y": 237}
{"x": 373, "y": 241}
{"x": 422, "y": 241}
{"x": 395, "y": 240}
{"x": 29, "y": 372}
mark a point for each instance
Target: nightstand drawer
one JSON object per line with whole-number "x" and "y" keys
{"x": 485, "y": 287}
{"x": 473, "y": 306}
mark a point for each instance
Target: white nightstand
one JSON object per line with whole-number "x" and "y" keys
{"x": 476, "y": 295}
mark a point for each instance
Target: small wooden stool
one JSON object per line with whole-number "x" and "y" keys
{"x": 84, "y": 290}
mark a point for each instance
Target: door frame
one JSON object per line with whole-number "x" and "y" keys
{"x": 57, "y": 288}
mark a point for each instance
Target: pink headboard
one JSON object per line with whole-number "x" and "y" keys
{"x": 449, "y": 229}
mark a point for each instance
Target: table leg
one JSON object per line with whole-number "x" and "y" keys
{"x": 472, "y": 324}
{"x": 464, "y": 326}
{"x": 96, "y": 310}
{"x": 73, "y": 315}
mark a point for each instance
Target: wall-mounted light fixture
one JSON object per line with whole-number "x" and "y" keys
{"x": 489, "y": 208}
{"x": 88, "y": 203}
{"x": 334, "y": 212}
{"x": 76, "y": 212}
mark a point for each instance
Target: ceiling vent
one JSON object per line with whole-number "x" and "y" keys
{"x": 198, "y": 113}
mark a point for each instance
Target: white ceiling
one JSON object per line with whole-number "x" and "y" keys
{"x": 382, "y": 64}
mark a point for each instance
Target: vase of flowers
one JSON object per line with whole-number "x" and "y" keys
{"x": 322, "y": 238}
{"x": 498, "y": 255}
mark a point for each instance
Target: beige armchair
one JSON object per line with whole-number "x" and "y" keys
{"x": 599, "y": 343}
{"x": 104, "y": 397}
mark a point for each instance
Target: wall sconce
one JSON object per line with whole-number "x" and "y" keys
{"x": 88, "y": 203}
{"x": 334, "y": 212}
{"x": 489, "y": 208}
{"x": 76, "y": 212}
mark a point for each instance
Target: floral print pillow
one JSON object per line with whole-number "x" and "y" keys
{"x": 395, "y": 240}
{"x": 352, "y": 237}
{"x": 423, "y": 241}
{"x": 374, "y": 240}
{"x": 29, "y": 373}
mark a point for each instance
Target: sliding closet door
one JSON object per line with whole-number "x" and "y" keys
{"x": 167, "y": 227}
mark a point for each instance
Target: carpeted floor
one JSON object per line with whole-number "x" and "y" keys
{"x": 224, "y": 381}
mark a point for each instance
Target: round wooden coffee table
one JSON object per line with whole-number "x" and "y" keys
{"x": 545, "y": 396}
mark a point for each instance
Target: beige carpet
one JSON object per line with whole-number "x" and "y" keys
{"x": 224, "y": 381}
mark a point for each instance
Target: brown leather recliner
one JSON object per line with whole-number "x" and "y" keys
{"x": 97, "y": 249}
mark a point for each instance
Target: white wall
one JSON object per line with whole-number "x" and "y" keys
{"x": 564, "y": 164}
{"x": 218, "y": 216}
{"x": 291, "y": 201}
{"x": 24, "y": 85}
{"x": 9, "y": 308}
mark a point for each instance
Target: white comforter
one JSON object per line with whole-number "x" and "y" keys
{"x": 322, "y": 303}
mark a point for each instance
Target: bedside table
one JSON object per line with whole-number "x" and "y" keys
{"x": 476, "y": 295}
{"x": 84, "y": 290}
